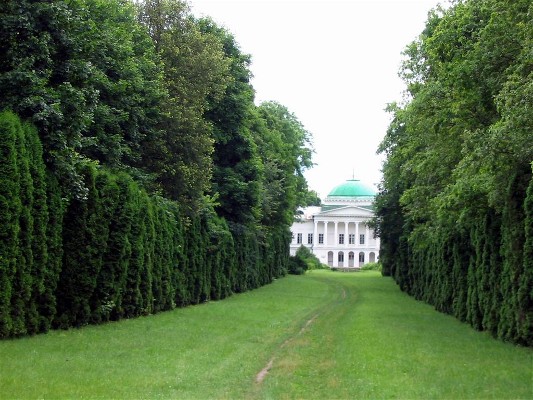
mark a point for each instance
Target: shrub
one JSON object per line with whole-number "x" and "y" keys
{"x": 297, "y": 265}
{"x": 310, "y": 259}
{"x": 372, "y": 266}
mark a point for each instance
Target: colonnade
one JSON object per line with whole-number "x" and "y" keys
{"x": 347, "y": 231}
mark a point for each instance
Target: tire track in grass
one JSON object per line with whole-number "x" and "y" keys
{"x": 260, "y": 377}
{"x": 263, "y": 373}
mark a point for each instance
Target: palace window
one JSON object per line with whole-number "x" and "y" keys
{"x": 351, "y": 238}
{"x": 362, "y": 238}
{"x": 320, "y": 238}
{"x": 341, "y": 257}
{"x": 362, "y": 257}
{"x": 309, "y": 238}
{"x": 341, "y": 238}
{"x": 299, "y": 238}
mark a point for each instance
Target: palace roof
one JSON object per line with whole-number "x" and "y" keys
{"x": 352, "y": 188}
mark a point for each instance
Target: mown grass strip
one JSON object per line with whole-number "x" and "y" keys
{"x": 328, "y": 335}
{"x": 378, "y": 342}
{"x": 213, "y": 350}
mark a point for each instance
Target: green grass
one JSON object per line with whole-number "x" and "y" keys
{"x": 326, "y": 335}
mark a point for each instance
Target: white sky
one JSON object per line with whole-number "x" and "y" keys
{"x": 334, "y": 64}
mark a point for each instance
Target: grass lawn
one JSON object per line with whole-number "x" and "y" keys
{"x": 325, "y": 335}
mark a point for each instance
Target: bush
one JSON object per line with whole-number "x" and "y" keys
{"x": 372, "y": 266}
{"x": 297, "y": 265}
{"x": 310, "y": 259}
{"x": 302, "y": 261}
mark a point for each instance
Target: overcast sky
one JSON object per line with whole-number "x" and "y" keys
{"x": 332, "y": 63}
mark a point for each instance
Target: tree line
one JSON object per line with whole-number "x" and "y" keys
{"x": 137, "y": 173}
{"x": 455, "y": 207}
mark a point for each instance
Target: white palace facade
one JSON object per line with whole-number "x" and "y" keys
{"x": 338, "y": 232}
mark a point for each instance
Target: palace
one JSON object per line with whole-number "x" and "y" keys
{"x": 338, "y": 232}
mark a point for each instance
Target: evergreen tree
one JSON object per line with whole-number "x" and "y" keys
{"x": 39, "y": 215}
{"x": 54, "y": 245}
{"x": 22, "y": 279}
{"x": 525, "y": 289}
{"x": 9, "y": 217}
{"x": 83, "y": 247}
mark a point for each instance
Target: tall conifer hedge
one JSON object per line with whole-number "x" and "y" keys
{"x": 117, "y": 253}
{"x": 149, "y": 179}
{"x": 454, "y": 210}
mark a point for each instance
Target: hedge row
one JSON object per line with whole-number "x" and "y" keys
{"x": 117, "y": 253}
{"x": 480, "y": 270}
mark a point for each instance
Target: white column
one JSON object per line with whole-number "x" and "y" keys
{"x": 325, "y": 233}
{"x": 336, "y": 237}
{"x": 335, "y": 257}
{"x": 357, "y": 234}
{"x": 315, "y": 234}
{"x": 345, "y": 234}
{"x": 367, "y": 236}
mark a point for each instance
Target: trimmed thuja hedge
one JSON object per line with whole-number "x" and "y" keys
{"x": 117, "y": 253}
{"x": 480, "y": 270}
{"x": 25, "y": 243}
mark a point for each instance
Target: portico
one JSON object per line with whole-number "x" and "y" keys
{"x": 338, "y": 232}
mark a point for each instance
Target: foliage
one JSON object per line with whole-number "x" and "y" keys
{"x": 302, "y": 261}
{"x": 195, "y": 73}
{"x": 372, "y": 266}
{"x": 297, "y": 265}
{"x": 23, "y": 236}
{"x": 286, "y": 151}
{"x": 84, "y": 72}
{"x": 311, "y": 199}
{"x": 452, "y": 208}
{"x": 136, "y": 173}
{"x": 236, "y": 174}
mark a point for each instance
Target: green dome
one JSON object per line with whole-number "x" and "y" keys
{"x": 352, "y": 188}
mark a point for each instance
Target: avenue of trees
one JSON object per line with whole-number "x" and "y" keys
{"x": 455, "y": 208}
{"x": 137, "y": 174}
